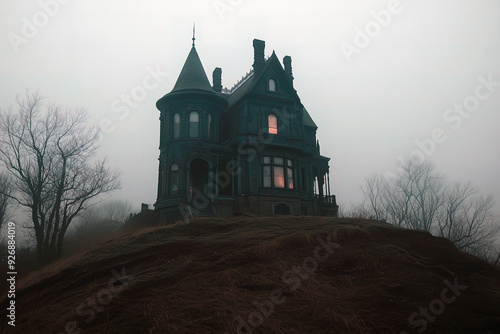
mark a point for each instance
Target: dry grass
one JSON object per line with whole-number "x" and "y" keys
{"x": 204, "y": 276}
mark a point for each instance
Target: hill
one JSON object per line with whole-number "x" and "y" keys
{"x": 263, "y": 275}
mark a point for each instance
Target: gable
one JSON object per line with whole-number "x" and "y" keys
{"x": 283, "y": 88}
{"x": 258, "y": 84}
{"x": 307, "y": 119}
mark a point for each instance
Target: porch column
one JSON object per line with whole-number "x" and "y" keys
{"x": 321, "y": 182}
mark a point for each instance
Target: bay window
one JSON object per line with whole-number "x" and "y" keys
{"x": 277, "y": 172}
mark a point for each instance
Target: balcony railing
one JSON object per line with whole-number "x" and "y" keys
{"x": 326, "y": 200}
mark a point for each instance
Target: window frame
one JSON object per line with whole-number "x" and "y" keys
{"x": 176, "y": 126}
{"x": 272, "y": 170}
{"x": 272, "y": 130}
{"x": 210, "y": 121}
{"x": 173, "y": 175}
{"x": 274, "y": 87}
{"x": 192, "y": 125}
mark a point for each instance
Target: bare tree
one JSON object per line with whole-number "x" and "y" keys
{"x": 114, "y": 212}
{"x": 360, "y": 211}
{"x": 49, "y": 153}
{"x": 466, "y": 219}
{"x": 411, "y": 199}
{"x": 96, "y": 225}
{"x": 374, "y": 191}
{"x": 418, "y": 198}
{"x": 5, "y": 197}
{"x": 423, "y": 191}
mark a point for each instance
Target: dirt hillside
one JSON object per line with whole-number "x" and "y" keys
{"x": 263, "y": 275}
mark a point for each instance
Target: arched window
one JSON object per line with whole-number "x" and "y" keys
{"x": 194, "y": 122}
{"x": 209, "y": 127}
{"x": 174, "y": 178}
{"x": 272, "y": 85}
{"x": 176, "y": 125}
{"x": 272, "y": 121}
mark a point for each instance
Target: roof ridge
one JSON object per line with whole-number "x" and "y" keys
{"x": 241, "y": 81}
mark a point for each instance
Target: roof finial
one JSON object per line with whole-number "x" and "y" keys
{"x": 193, "y": 33}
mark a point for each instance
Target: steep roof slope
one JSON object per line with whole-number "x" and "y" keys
{"x": 192, "y": 81}
{"x": 192, "y": 76}
{"x": 253, "y": 80}
{"x": 265, "y": 275}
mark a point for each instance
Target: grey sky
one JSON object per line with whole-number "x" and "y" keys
{"x": 371, "y": 108}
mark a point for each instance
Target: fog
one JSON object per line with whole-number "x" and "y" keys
{"x": 382, "y": 79}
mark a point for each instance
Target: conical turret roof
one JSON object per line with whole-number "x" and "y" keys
{"x": 193, "y": 76}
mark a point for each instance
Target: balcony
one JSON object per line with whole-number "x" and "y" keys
{"x": 327, "y": 205}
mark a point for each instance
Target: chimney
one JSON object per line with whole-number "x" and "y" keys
{"x": 217, "y": 79}
{"x": 258, "y": 55}
{"x": 144, "y": 207}
{"x": 287, "y": 61}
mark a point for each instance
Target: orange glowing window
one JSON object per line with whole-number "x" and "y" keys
{"x": 273, "y": 124}
{"x": 279, "y": 177}
{"x": 277, "y": 172}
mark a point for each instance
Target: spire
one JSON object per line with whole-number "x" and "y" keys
{"x": 193, "y": 76}
{"x": 192, "y": 81}
{"x": 194, "y": 33}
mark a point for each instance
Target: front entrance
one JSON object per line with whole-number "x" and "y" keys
{"x": 198, "y": 178}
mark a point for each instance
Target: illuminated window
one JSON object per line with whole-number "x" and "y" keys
{"x": 272, "y": 85}
{"x": 279, "y": 177}
{"x": 273, "y": 124}
{"x": 174, "y": 178}
{"x": 277, "y": 174}
{"x": 194, "y": 122}
{"x": 289, "y": 175}
{"x": 177, "y": 125}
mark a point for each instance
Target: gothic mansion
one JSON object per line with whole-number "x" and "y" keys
{"x": 249, "y": 150}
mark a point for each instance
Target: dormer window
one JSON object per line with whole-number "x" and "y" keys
{"x": 272, "y": 121}
{"x": 272, "y": 85}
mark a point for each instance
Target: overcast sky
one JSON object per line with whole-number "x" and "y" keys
{"x": 376, "y": 76}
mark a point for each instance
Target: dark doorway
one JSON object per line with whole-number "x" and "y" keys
{"x": 198, "y": 177}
